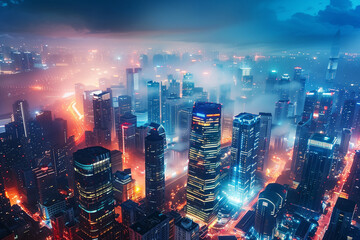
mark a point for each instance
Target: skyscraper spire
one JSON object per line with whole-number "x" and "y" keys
{"x": 333, "y": 60}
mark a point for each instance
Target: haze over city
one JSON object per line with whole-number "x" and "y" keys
{"x": 172, "y": 120}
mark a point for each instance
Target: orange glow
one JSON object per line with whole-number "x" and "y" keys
{"x": 36, "y": 88}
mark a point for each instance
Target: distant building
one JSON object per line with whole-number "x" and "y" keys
{"x": 264, "y": 140}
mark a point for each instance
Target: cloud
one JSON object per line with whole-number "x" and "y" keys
{"x": 237, "y": 22}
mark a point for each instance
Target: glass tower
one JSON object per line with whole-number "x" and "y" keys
{"x": 204, "y": 162}
{"x": 244, "y": 155}
{"x": 94, "y": 191}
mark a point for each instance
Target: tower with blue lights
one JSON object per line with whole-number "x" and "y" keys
{"x": 244, "y": 154}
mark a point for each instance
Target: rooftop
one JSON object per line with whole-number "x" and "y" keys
{"x": 149, "y": 223}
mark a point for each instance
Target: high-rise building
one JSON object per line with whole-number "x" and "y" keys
{"x": 22, "y": 116}
{"x": 302, "y": 135}
{"x": 188, "y": 85}
{"x": 154, "y": 171}
{"x": 271, "y": 82}
{"x": 123, "y": 106}
{"x": 102, "y": 118}
{"x": 244, "y": 155}
{"x": 340, "y": 222}
{"x": 172, "y": 108}
{"x": 88, "y": 107}
{"x": 141, "y": 133}
{"x": 174, "y": 87}
{"x": 46, "y": 182}
{"x": 345, "y": 141}
{"x": 79, "y": 92}
{"x": 309, "y": 105}
{"x": 299, "y": 94}
{"x": 153, "y": 91}
{"x": 281, "y": 112}
{"x": 60, "y": 132}
{"x": 322, "y": 112}
{"x": 184, "y": 124}
{"x": 124, "y": 186}
{"x": 264, "y": 140}
{"x": 284, "y": 87}
{"x": 316, "y": 170}
{"x": 130, "y": 81}
{"x": 155, "y": 226}
{"x": 333, "y": 60}
{"x": 186, "y": 229}
{"x": 127, "y": 133}
{"x": 270, "y": 201}
{"x": 352, "y": 186}
{"x": 348, "y": 114}
{"x": 203, "y": 186}
{"x": 116, "y": 160}
{"x": 94, "y": 191}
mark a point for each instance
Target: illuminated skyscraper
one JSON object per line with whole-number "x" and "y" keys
{"x": 333, "y": 59}
{"x": 352, "y": 186}
{"x": 264, "y": 140}
{"x": 316, "y": 170}
{"x": 284, "y": 87}
{"x": 22, "y": 116}
{"x": 153, "y": 91}
{"x": 102, "y": 118}
{"x": 244, "y": 155}
{"x": 303, "y": 133}
{"x": 187, "y": 85}
{"x": 204, "y": 163}
{"x": 282, "y": 112}
{"x": 271, "y": 82}
{"x": 270, "y": 201}
{"x": 88, "y": 107}
{"x": 340, "y": 223}
{"x": 309, "y": 105}
{"x": 127, "y": 133}
{"x": 155, "y": 171}
{"x": 93, "y": 180}
{"x": 348, "y": 114}
{"x": 298, "y": 95}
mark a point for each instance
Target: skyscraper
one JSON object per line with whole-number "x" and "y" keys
{"x": 333, "y": 60}
{"x": 153, "y": 91}
{"x": 204, "y": 164}
{"x": 309, "y": 105}
{"x": 348, "y": 114}
{"x": 270, "y": 201}
{"x": 22, "y": 116}
{"x": 88, "y": 107}
{"x": 281, "y": 112}
{"x": 264, "y": 140}
{"x": 352, "y": 186}
{"x": 155, "y": 171}
{"x": 244, "y": 155}
{"x": 127, "y": 133}
{"x": 317, "y": 167}
{"x": 93, "y": 180}
{"x": 302, "y": 135}
{"x": 187, "y": 85}
{"x": 102, "y": 118}
{"x": 124, "y": 186}
{"x": 299, "y": 93}
{"x": 271, "y": 82}
{"x": 340, "y": 222}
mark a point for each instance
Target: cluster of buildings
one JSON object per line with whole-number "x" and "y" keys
{"x": 68, "y": 190}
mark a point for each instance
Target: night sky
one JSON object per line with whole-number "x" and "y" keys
{"x": 255, "y": 24}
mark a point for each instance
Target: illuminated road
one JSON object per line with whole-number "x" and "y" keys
{"x": 325, "y": 218}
